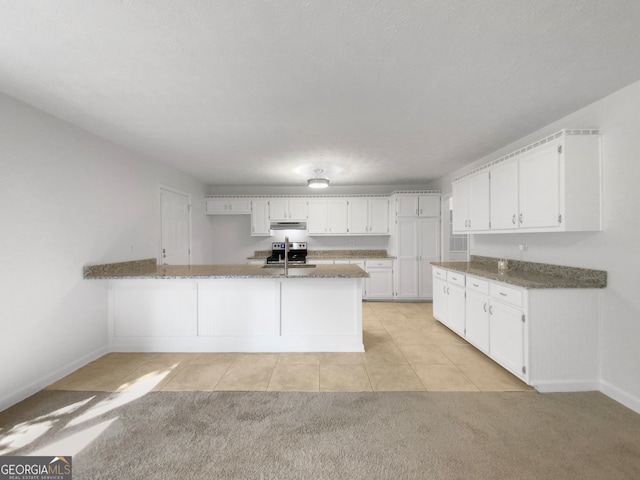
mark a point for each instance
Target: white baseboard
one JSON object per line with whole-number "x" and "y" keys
{"x": 620, "y": 396}
{"x": 567, "y": 386}
{"x": 36, "y": 386}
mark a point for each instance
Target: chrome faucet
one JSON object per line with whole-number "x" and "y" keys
{"x": 286, "y": 256}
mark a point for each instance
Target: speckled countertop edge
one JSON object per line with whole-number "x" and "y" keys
{"x": 530, "y": 274}
{"x": 168, "y": 272}
{"x": 329, "y": 254}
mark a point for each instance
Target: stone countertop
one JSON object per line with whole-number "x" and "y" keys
{"x": 145, "y": 269}
{"x": 529, "y": 274}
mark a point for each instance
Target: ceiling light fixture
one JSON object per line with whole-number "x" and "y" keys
{"x": 319, "y": 180}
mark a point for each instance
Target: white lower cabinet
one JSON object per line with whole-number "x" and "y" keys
{"x": 440, "y": 299}
{"x": 379, "y": 285}
{"x": 506, "y": 337}
{"x": 448, "y": 300}
{"x": 547, "y": 337}
{"x": 380, "y": 282}
{"x": 477, "y": 315}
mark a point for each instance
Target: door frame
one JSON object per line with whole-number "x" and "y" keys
{"x": 167, "y": 188}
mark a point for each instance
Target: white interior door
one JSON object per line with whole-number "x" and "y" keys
{"x": 176, "y": 227}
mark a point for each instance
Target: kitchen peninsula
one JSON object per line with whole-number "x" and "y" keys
{"x": 232, "y": 308}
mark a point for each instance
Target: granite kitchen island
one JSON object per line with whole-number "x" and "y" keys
{"x": 232, "y": 308}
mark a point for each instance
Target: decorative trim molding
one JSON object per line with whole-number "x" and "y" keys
{"x": 354, "y": 195}
{"x": 550, "y": 138}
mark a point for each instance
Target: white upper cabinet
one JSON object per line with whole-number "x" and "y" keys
{"x": 260, "y": 218}
{"x": 539, "y": 188}
{"x": 552, "y": 186}
{"x": 287, "y": 209}
{"x": 348, "y": 216}
{"x": 504, "y": 196}
{"x": 317, "y": 221}
{"x": 337, "y": 216}
{"x": 429, "y": 206}
{"x": 358, "y": 215}
{"x": 418, "y": 205}
{"x": 227, "y": 206}
{"x": 369, "y": 216}
{"x": 471, "y": 204}
{"x": 407, "y": 206}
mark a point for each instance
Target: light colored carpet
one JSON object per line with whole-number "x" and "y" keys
{"x": 265, "y": 435}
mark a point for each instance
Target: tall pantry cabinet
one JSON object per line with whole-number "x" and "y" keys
{"x": 416, "y": 244}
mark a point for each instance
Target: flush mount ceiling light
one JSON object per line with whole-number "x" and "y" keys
{"x": 319, "y": 180}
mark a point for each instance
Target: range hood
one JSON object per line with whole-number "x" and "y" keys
{"x": 288, "y": 225}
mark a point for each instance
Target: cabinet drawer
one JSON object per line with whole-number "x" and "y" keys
{"x": 439, "y": 273}
{"x": 456, "y": 278}
{"x": 477, "y": 285}
{"x": 379, "y": 263}
{"x": 506, "y": 294}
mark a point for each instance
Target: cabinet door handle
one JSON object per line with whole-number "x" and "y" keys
{"x": 521, "y": 218}
{"x": 491, "y": 310}
{"x": 485, "y": 307}
{"x": 503, "y": 294}
{"x": 444, "y": 290}
{"x": 448, "y": 291}
{"x": 513, "y": 219}
{"x": 475, "y": 285}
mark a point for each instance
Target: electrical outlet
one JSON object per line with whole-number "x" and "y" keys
{"x": 523, "y": 247}
{"x": 131, "y": 249}
{"x": 352, "y": 243}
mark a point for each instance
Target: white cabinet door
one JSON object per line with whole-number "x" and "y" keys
{"x": 460, "y": 198}
{"x": 317, "y": 221}
{"x": 429, "y": 205}
{"x": 407, "y": 258}
{"x": 380, "y": 283}
{"x": 477, "y": 320}
{"x": 440, "y": 300}
{"x": 215, "y": 206}
{"x": 456, "y": 308}
{"x": 358, "y": 215}
{"x": 407, "y": 206}
{"x": 471, "y": 206}
{"x": 479, "y": 207}
{"x": 504, "y": 196}
{"x": 278, "y": 209}
{"x": 428, "y": 251}
{"x": 297, "y": 209}
{"x": 239, "y": 205}
{"x": 227, "y": 206}
{"x": 406, "y": 278}
{"x": 506, "y": 337}
{"x": 260, "y": 218}
{"x": 539, "y": 181}
{"x": 369, "y": 216}
{"x": 287, "y": 209}
{"x": 338, "y": 216}
{"x": 379, "y": 216}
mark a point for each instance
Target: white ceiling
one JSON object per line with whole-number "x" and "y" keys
{"x": 261, "y": 92}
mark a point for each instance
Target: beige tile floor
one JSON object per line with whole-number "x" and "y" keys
{"x": 406, "y": 349}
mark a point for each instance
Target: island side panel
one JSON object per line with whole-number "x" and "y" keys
{"x": 236, "y": 315}
{"x": 239, "y": 309}
{"x": 322, "y": 314}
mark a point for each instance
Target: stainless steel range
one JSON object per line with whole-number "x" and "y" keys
{"x": 297, "y": 253}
